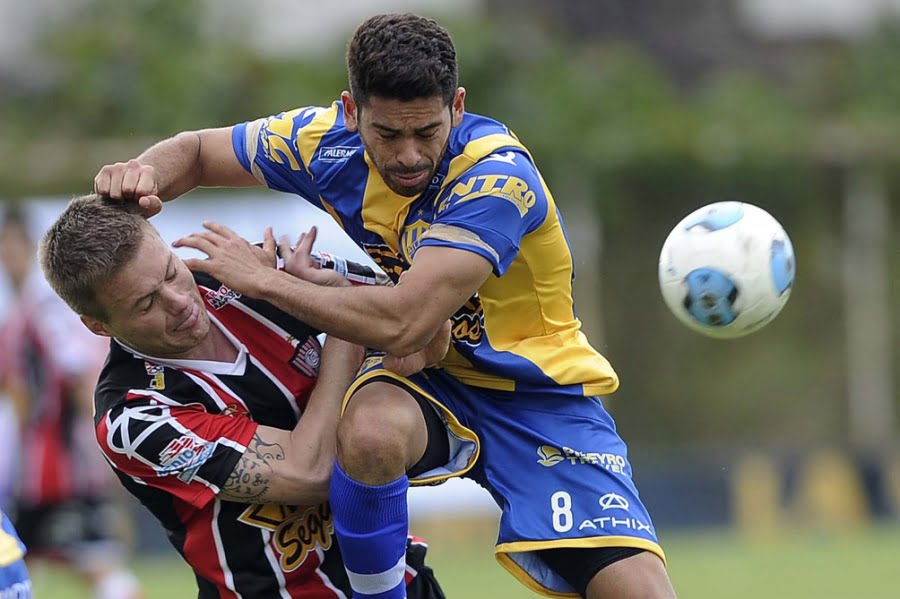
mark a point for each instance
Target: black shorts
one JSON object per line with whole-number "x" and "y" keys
{"x": 59, "y": 529}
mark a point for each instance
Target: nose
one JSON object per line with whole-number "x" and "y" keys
{"x": 409, "y": 155}
{"x": 176, "y": 301}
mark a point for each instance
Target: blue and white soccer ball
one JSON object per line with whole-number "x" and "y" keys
{"x": 727, "y": 269}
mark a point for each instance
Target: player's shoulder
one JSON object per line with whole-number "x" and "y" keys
{"x": 127, "y": 376}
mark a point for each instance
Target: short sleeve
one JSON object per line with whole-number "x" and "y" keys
{"x": 490, "y": 208}
{"x": 183, "y": 450}
{"x": 268, "y": 149}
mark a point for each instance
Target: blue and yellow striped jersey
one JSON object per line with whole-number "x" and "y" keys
{"x": 11, "y": 548}
{"x": 519, "y": 332}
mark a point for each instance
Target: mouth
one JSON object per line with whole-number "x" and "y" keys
{"x": 411, "y": 180}
{"x": 190, "y": 320}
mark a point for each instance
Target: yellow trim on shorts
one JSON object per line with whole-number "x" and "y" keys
{"x": 449, "y": 419}
{"x": 502, "y": 550}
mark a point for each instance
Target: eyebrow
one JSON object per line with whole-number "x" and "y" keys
{"x": 141, "y": 299}
{"x": 386, "y": 129}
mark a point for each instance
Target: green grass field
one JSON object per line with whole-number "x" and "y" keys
{"x": 702, "y": 565}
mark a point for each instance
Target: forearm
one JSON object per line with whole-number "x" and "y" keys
{"x": 372, "y": 316}
{"x": 177, "y": 165}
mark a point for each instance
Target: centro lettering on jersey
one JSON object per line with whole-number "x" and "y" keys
{"x": 296, "y": 532}
{"x": 507, "y": 187}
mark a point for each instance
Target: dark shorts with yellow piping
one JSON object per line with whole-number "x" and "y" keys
{"x": 554, "y": 464}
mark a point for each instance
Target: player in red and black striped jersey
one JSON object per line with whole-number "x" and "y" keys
{"x": 217, "y": 411}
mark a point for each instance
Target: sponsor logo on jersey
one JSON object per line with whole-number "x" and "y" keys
{"x": 306, "y": 357}
{"x": 507, "y": 187}
{"x": 336, "y": 153}
{"x": 157, "y": 375}
{"x": 296, "y": 531}
{"x": 221, "y": 297}
{"x": 610, "y": 522}
{"x": 467, "y": 325}
{"x": 551, "y": 456}
{"x": 184, "y": 456}
{"x": 613, "y": 501}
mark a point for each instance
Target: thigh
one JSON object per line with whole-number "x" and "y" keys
{"x": 453, "y": 447}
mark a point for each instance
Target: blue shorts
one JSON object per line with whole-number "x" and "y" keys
{"x": 553, "y": 463}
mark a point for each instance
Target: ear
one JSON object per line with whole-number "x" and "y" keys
{"x": 95, "y": 326}
{"x": 349, "y": 104}
{"x": 458, "y": 108}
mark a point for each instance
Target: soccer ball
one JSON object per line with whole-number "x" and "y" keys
{"x": 727, "y": 269}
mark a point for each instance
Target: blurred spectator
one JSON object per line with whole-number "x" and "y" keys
{"x": 63, "y": 505}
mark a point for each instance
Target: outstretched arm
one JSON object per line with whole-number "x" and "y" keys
{"x": 173, "y": 167}
{"x": 400, "y": 320}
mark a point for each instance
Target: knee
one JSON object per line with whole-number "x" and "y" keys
{"x": 381, "y": 433}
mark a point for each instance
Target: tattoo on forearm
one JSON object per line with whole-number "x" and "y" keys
{"x": 249, "y": 481}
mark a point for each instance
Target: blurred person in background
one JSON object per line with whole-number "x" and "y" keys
{"x": 14, "y": 581}
{"x": 453, "y": 202}
{"x": 64, "y": 507}
{"x": 217, "y": 411}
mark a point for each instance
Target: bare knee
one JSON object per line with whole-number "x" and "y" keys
{"x": 381, "y": 434}
{"x": 641, "y": 576}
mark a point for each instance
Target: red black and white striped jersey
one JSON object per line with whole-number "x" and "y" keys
{"x": 174, "y": 431}
{"x": 48, "y": 356}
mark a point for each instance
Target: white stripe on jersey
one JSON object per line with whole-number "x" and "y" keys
{"x": 276, "y": 565}
{"x": 220, "y": 549}
{"x": 284, "y": 390}
{"x": 201, "y": 382}
{"x": 265, "y": 322}
{"x": 324, "y": 577}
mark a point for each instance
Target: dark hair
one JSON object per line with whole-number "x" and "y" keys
{"x": 88, "y": 245}
{"x": 401, "y": 57}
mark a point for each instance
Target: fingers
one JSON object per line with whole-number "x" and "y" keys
{"x": 286, "y": 250}
{"x": 150, "y": 205}
{"x": 305, "y": 242}
{"x": 203, "y": 241}
{"x": 198, "y": 265}
{"x": 103, "y": 180}
{"x": 126, "y": 180}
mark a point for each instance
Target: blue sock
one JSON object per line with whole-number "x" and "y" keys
{"x": 371, "y": 524}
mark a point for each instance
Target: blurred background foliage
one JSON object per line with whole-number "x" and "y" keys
{"x": 609, "y": 128}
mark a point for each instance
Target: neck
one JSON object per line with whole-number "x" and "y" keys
{"x": 215, "y": 348}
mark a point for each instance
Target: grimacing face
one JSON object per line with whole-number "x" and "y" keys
{"x": 153, "y": 305}
{"x": 406, "y": 140}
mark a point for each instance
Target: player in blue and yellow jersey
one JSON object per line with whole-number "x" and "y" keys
{"x": 454, "y": 203}
{"x": 14, "y": 581}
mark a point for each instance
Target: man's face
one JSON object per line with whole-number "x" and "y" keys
{"x": 153, "y": 304}
{"x": 405, "y": 140}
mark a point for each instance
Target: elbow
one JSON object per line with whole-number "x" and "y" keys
{"x": 311, "y": 484}
{"x": 409, "y": 339}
